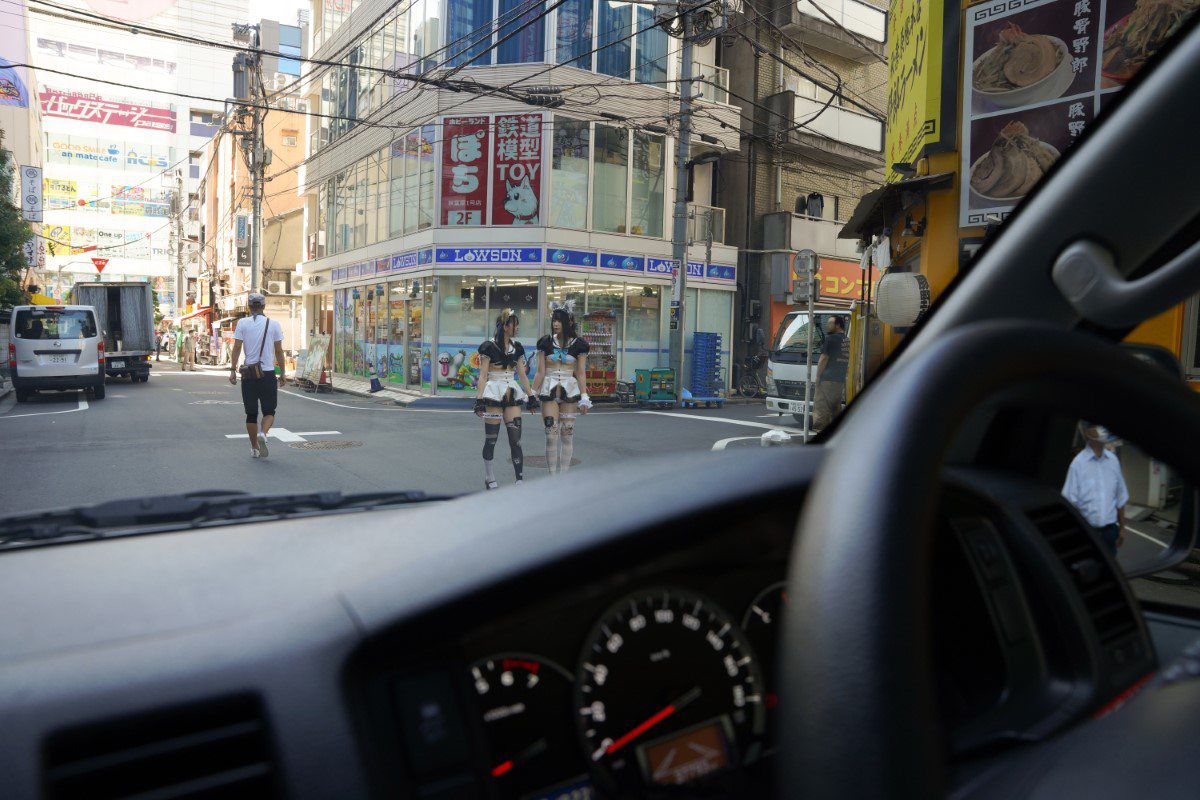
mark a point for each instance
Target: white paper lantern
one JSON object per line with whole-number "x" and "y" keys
{"x": 901, "y": 298}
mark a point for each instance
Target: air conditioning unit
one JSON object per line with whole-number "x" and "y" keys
{"x": 277, "y": 287}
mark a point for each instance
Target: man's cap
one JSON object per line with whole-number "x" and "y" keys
{"x": 257, "y": 299}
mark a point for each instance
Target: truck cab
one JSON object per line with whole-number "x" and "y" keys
{"x": 789, "y": 365}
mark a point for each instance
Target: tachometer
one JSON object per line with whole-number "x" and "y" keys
{"x": 668, "y": 692}
{"x": 526, "y": 705}
{"x": 761, "y": 626}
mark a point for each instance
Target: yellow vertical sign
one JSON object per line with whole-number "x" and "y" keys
{"x": 914, "y": 80}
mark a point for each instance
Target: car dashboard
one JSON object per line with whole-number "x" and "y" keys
{"x": 633, "y": 650}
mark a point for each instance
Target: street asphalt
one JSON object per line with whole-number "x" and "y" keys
{"x": 184, "y": 432}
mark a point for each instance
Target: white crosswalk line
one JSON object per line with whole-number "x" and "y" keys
{"x": 284, "y": 435}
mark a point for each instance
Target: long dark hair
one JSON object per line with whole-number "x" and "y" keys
{"x": 506, "y": 316}
{"x": 568, "y": 324}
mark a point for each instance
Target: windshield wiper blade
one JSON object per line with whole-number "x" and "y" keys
{"x": 194, "y": 509}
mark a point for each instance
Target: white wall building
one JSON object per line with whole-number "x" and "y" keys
{"x": 111, "y": 151}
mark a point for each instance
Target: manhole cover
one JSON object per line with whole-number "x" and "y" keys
{"x": 329, "y": 444}
{"x": 213, "y": 402}
{"x": 539, "y": 462}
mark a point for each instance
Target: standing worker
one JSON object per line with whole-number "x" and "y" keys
{"x": 188, "y": 362}
{"x": 831, "y": 373}
{"x": 263, "y": 367}
{"x": 1096, "y": 487}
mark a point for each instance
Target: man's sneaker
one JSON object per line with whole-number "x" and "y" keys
{"x": 253, "y": 453}
{"x": 262, "y": 446}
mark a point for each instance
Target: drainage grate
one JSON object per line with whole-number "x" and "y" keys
{"x": 328, "y": 444}
{"x": 539, "y": 462}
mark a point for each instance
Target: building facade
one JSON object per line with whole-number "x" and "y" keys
{"x": 21, "y": 122}
{"x": 122, "y": 149}
{"x": 441, "y": 196}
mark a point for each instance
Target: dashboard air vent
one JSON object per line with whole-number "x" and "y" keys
{"x": 217, "y": 749}
{"x": 1098, "y": 586}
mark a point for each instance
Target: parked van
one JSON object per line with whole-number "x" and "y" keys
{"x": 55, "y": 347}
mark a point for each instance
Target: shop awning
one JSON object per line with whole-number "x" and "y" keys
{"x": 879, "y": 209}
{"x": 195, "y": 313}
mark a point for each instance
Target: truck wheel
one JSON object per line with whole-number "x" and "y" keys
{"x": 98, "y": 391}
{"x": 799, "y": 419}
{"x": 22, "y": 395}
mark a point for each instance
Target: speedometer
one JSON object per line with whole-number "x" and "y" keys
{"x": 668, "y": 692}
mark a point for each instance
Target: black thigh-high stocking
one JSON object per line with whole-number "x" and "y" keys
{"x": 514, "y": 445}
{"x": 491, "y": 432}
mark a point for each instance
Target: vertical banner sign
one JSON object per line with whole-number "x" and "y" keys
{"x": 465, "y": 162}
{"x": 1037, "y": 72}
{"x": 31, "y": 194}
{"x": 241, "y": 228}
{"x": 915, "y": 112}
{"x": 517, "y": 184}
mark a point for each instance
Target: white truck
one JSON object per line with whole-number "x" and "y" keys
{"x": 788, "y": 364}
{"x": 125, "y": 315}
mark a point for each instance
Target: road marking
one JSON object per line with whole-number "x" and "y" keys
{"x": 339, "y": 405}
{"x": 1147, "y": 536}
{"x": 726, "y": 420}
{"x": 284, "y": 435}
{"x": 719, "y": 446}
{"x": 83, "y": 406}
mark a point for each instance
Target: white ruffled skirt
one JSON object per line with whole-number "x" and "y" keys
{"x": 503, "y": 390}
{"x": 560, "y": 386}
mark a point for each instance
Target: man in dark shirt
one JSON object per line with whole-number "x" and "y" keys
{"x": 831, "y": 373}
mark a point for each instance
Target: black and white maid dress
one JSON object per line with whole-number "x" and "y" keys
{"x": 503, "y": 388}
{"x": 559, "y": 383}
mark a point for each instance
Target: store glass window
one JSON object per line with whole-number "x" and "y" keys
{"x": 643, "y": 306}
{"x": 528, "y": 45}
{"x": 428, "y": 135}
{"x": 651, "y": 66}
{"x": 373, "y": 198}
{"x": 601, "y": 326}
{"x": 462, "y": 325}
{"x": 412, "y": 177}
{"x": 574, "y": 35}
{"x": 469, "y": 23}
{"x": 559, "y": 291}
{"x": 382, "y": 193}
{"x": 397, "y": 317}
{"x": 570, "y": 164}
{"x": 648, "y": 184}
{"x": 396, "y": 195}
{"x": 612, "y": 171}
{"x": 613, "y": 38}
{"x": 377, "y": 331}
{"x": 358, "y": 204}
{"x": 714, "y": 315}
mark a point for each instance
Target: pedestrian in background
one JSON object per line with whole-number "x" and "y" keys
{"x": 831, "y": 373}
{"x": 1096, "y": 487}
{"x": 262, "y": 339}
{"x": 189, "y": 351}
{"x": 160, "y": 341}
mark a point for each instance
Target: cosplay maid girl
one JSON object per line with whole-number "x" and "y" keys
{"x": 503, "y": 388}
{"x": 561, "y": 385}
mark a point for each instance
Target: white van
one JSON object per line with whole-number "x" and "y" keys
{"x": 788, "y": 365}
{"x": 55, "y": 347}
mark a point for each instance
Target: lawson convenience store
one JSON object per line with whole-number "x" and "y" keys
{"x": 419, "y": 316}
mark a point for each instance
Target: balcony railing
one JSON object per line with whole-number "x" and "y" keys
{"x": 702, "y": 219}
{"x": 712, "y": 83}
{"x": 857, "y": 17}
{"x": 841, "y": 124}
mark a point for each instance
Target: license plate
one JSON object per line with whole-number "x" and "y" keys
{"x": 59, "y": 360}
{"x": 116, "y": 363}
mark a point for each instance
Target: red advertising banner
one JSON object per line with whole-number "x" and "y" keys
{"x": 517, "y": 184}
{"x": 465, "y": 159}
{"x": 87, "y": 107}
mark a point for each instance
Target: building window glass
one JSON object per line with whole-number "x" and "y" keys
{"x": 462, "y": 325}
{"x": 529, "y": 44}
{"x": 469, "y": 24}
{"x": 382, "y": 195}
{"x": 358, "y": 208}
{"x": 396, "y": 199}
{"x": 612, "y": 173}
{"x": 613, "y": 38}
{"x": 570, "y": 164}
{"x": 428, "y": 134}
{"x": 412, "y": 149}
{"x": 574, "y": 35}
{"x": 648, "y": 184}
{"x": 651, "y": 49}
{"x": 340, "y": 225}
{"x": 642, "y": 325}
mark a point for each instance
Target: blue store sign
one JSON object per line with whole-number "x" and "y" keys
{"x": 489, "y": 255}
{"x": 571, "y": 258}
{"x": 722, "y": 272}
{"x": 661, "y": 266}
{"x": 695, "y": 269}
{"x": 622, "y": 262}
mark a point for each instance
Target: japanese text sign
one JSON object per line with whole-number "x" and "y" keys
{"x": 517, "y": 184}
{"x": 465, "y": 161}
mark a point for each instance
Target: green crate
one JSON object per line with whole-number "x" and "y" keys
{"x": 654, "y": 385}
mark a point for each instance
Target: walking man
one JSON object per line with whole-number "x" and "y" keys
{"x": 1096, "y": 487}
{"x": 831, "y": 373}
{"x": 262, "y": 339}
{"x": 188, "y": 361}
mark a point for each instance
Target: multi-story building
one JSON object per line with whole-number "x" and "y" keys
{"x": 522, "y": 158}
{"x": 20, "y": 119}
{"x": 818, "y": 77}
{"x": 121, "y": 138}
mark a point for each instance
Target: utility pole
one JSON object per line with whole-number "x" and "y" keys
{"x": 249, "y": 86}
{"x": 694, "y": 22}
{"x": 180, "y": 273}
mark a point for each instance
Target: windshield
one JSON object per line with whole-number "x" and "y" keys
{"x": 497, "y": 292}
{"x": 51, "y": 323}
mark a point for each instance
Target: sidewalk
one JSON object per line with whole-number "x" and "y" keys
{"x": 5, "y": 387}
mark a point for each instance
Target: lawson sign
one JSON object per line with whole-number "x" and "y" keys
{"x": 489, "y": 255}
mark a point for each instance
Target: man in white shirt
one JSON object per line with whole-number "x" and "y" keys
{"x": 1096, "y": 487}
{"x": 263, "y": 342}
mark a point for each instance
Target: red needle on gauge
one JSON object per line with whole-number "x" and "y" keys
{"x": 534, "y": 749}
{"x": 653, "y": 720}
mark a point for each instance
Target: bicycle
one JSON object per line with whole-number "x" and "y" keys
{"x": 751, "y": 382}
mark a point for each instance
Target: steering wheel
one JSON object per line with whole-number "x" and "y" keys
{"x": 859, "y": 717}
